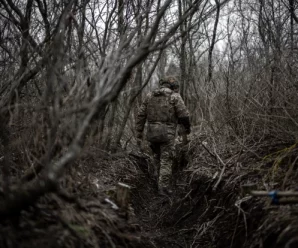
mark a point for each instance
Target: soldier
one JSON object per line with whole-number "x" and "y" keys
{"x": 163, "y": 109}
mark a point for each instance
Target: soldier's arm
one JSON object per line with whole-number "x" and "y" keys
{"x": 182, "y": 113}
{"x": 141, "y": 117}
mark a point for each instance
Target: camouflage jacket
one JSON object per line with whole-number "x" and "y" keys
{"x": 163, "y": 109}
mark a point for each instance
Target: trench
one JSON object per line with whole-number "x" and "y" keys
{"x": 199, "y": 215}
{"x": 194, "y": 216}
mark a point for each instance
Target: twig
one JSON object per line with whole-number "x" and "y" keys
{"x": 289, "y": 172}
{"x": 216, "y": 156}
{"x": 222, "y": 170}
{"x": 69, "y": 227}
{"x": 206, "y": 148}
{"x": 107, "y": 236}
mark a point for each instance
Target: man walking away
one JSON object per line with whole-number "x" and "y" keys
{"x": 163, "y": 109}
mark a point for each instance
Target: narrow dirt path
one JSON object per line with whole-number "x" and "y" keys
{"x": 194, "y": 216}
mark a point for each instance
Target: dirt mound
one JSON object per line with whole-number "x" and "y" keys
{"x": 82, "y": 214}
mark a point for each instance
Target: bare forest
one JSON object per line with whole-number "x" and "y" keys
{"x": 73, "y": 74}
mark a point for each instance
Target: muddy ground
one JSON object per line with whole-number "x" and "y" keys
{"x": 209, "y": 207}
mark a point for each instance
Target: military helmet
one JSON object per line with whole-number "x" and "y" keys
{"x": 170, "y": 82}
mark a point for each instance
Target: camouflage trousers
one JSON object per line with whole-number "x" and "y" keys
{"x": 163, "y": 162}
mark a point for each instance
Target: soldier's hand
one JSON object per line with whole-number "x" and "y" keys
{"x": 139, "y": 142}
{"x": 187, "y": 131}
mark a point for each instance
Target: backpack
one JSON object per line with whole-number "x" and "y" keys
{"x": 161, "y": 117}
